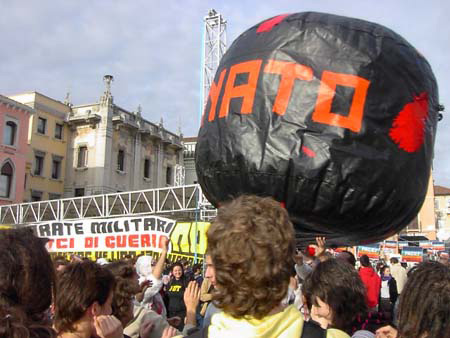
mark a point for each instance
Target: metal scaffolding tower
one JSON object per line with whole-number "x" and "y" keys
{"x": 213, "y": 47}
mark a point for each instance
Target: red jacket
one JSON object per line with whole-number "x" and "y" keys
{"x": 372, "y": 282}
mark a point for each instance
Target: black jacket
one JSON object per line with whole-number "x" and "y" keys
{"x": 393, "y": 294}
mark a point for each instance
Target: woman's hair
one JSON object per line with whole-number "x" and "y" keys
{"x": 183, "y": 278}
{"x": 251, "y": 244}
{"x": 124, "y": 289}
{"x": 338, "y": 285}
{"x": 380, "y": 266}
{"x": 80, "y": 285}
{"x": 26, "y": 281}
{"x": 428, "y": 284}
{"x": 180, "y": 265}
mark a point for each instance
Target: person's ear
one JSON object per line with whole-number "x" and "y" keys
{"x": 95, "y": 309}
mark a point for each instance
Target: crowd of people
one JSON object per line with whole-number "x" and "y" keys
{"x": 256, "y": 284}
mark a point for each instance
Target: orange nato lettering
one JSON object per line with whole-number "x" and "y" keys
{"x": 289, "y": 72}
{"x": 214, "y": 95}
{"x": 327, "y": 91}
{"x": 246, "y": 91}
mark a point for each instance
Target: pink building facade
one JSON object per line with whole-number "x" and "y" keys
{"x": 14, "y": 120}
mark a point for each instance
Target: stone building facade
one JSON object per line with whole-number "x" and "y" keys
{"x": 189, "y": 160}
{"x": 90, "y": 149}
{"x": 112, "y": 149}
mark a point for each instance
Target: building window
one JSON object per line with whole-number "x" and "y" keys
{"x": 82, "y": 157}
{"x": 169, "y": 175}
{"x": 147, "y": 168}
{"x": 9, "y": 135}
{"x": 56, "y": 167}
{"x": 36, "y": 195}
{"x": 448, "y": 205}
{"x": 6, "y": 178}
{"x": 79, "y": 192}
{"x": 42, "y": 125}
{"x": 39, "y": 163}
{"x": 121, "y": 160}
{"x": 414, "y": 225}
{"x": 58, "y": 131}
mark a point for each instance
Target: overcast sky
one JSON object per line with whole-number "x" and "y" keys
{"x": 153, "y": 48}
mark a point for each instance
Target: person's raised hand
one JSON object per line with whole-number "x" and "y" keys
{"x": 192, "y": 296}
{"x": 165, "y": 243}
{"x": 108, "y": 327}
{"x": 320, "y": 246}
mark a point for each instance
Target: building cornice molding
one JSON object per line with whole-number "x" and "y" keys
{"x": 16, "y": 105}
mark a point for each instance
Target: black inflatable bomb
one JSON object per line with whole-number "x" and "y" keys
{"x": 334, "y": 117}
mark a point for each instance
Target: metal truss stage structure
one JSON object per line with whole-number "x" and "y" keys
{"x": 181, "y": 203}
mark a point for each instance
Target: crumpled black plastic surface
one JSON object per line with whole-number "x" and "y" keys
{"x": 351, "y": 186}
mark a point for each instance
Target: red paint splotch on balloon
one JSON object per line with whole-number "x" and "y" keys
{"x": 267, "y": 25}
{"x": 308, "y": 152}
{"x": 408, "y": 128}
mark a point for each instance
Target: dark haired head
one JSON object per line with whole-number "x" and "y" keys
{"x": 394, "y": 260}
{"x": 347, "y": 256}
{"x": 365, "y": 261}
{"x": 428, "y": 284}
{"x": 379, "y": 266}
{"x": 83, "y": 283}
{"x": 251, "y": 244}
{"x": 26, "y": 281}
{"x": 383, "y": 269}
{"x": 177, "y": 264}
{"x": 183, "y": 278}
{"x": 196, "y": 268}
{"x": 338, "y": 285}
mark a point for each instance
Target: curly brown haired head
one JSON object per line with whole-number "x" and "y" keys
{"x": 251, "y": 244}
{"x": 126, "y": 287}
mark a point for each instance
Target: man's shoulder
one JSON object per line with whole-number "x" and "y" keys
{"x": 397, "y": 268}
{"x": 335, "y": 333}
{"x": 286, "y": 323}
